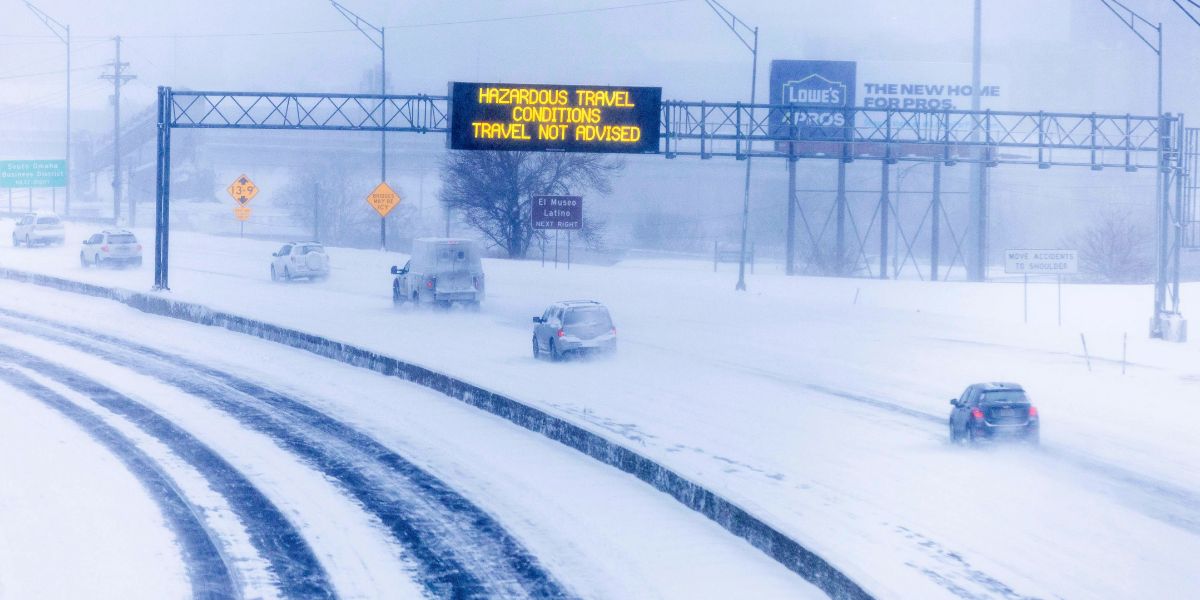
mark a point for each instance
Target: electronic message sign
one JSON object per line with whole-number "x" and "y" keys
{"x": 554, "y": 118}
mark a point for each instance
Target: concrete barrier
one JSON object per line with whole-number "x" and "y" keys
{"x": 783, "y": 549}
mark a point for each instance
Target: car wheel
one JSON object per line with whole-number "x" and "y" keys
{"x": 274, "y": 275}
{"x": 397, "y": 297}
{"x": 287, "y": 274}
{"x": 537, "y": 349}
{"x": 970, "y": 436}
{"x": 16, "y": 242}
{"x": 82, "y": 261}
{"x": 28, "y": 242}
{"x": 1034, "y": 438}
{"x": 555, "y": 355}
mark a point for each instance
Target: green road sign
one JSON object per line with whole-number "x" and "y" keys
{"x": 33, "y": 173}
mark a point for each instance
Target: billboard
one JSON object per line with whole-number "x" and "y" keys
{"x": 826, "y": 91}
{"x": 557, "y": 212}
{"x": 825, "y": 88}
{"x": 554, "y": 118}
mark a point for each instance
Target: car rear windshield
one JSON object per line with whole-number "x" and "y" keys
{"x": 307, "y": 249}
{"x": 1004, "y": 396}
{"x": 122, "y": 238}
{"x": 47, "y": 221}
{"x": 587, "y": 316}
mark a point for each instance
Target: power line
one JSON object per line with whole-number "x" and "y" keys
{"x": 215, "y": 35}
{"x": 55, "y": 72}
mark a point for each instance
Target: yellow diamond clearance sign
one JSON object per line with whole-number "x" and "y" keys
{"x": 383, "y": 199}
{"x": 242, "y": 190}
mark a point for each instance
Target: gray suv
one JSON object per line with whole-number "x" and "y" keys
{"x": 573, "y": 326}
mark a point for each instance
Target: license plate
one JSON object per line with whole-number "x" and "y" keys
{"x": 1007, "y": 412}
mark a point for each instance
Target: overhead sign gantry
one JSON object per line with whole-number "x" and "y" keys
{"x": 708, "y": 129}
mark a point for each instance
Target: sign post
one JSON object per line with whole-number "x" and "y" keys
{"x": 557, "y": 213}
{"x": 1041, "y": 262}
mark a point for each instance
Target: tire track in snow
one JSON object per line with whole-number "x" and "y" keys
{"x": 291, "y": 559}
{"x": 461, "y": 551}
{"x": 1172, "y": 504}
{"x": 207, "y": 568}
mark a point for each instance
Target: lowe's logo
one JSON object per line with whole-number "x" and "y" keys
{"x": 814, "y": 89}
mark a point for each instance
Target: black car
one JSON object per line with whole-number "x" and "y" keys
{"x": 988, "y": 411}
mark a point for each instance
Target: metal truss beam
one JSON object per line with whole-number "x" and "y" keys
{"x": 314, "y": 112}
{"x": 1008, "y": 137}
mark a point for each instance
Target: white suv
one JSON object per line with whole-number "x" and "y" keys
{"x": 300, "y": 259}
{"x": 38, "y": 228}
{"x": 111, "y": 247}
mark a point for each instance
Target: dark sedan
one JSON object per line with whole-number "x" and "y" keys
{"x": 993, "y": 411}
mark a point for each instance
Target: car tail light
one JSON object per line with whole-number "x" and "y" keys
{"x": 429, "y": 283}
{"x": 976, "y": 414}
{"x": 560, "y": 333}
{"x": 139, "y": 247}
{"x": 104, "y": 248}
{"x": 475, "y": 281}
{"x": 614, "y": 331}
{"x": 1033, "y": 412}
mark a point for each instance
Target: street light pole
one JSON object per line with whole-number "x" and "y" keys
{"x": 63, "y": 32}
{"x": 370, "y": 31}
{"x": 1135, "y": 23}
{"x": 743, "y": 31}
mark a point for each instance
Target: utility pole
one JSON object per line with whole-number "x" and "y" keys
{"x": 977, "y": 265}
{"x": 119, "y": 78}
{"x": 63, "y": 32}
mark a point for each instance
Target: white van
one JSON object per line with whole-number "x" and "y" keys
{"x": 442, "y": 271}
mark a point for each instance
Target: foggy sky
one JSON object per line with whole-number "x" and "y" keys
{"x": 1064, "y": 54}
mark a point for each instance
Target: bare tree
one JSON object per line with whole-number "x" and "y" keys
{"x": 330, "y": 199}
{"x": 1117, "y": 247}
{"x": 494, "y": 190}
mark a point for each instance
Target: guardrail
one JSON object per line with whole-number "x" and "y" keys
{"x": 775, "y": 544}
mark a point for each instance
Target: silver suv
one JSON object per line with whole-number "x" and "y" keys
{"x": 38, "y": 228}
{"x": 300, "y": 259}
{"x": 111, "y": 247}
{"x": 573, "y": 326}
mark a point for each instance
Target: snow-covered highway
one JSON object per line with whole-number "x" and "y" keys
{"x": 815, "y": 404}
{"x": 267, "y": 494}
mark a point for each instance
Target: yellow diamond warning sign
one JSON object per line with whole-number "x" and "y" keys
{"x": 243, "y": 190}
{"x": 383, "y": 199}
{"x": 241, "y": 213}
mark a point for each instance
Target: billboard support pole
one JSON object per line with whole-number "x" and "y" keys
{"x": 790, "y": 263}
{"x": 841, "y": 218}
{"x": 884, "y": 209}
{"x": 935, "y": 230}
